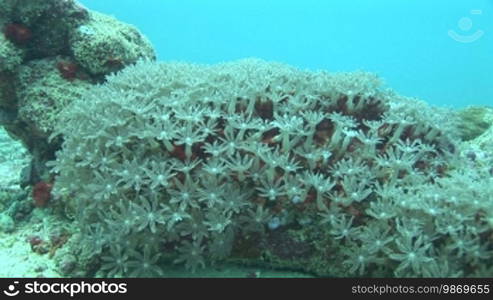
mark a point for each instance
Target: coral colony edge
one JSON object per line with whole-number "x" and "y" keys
{"x": 134, "y": 166}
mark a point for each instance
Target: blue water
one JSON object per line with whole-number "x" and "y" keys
{"x": 407, "y": 42}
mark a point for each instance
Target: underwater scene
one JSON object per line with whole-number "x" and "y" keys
{"x": 246, "y": 138}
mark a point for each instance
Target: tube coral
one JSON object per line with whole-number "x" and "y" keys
{"x": 17, "y": 33}
{"x": 41, "y": 193}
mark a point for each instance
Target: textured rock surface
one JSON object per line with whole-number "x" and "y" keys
{"x": 50, "y": 50}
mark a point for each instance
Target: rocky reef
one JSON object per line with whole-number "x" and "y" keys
{"x": 50, "y": 52}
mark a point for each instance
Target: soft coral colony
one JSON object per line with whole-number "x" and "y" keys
{"x": 250, "y": 160}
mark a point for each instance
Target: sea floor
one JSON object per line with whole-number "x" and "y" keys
{"x": 17, "y": 259}
{"x": 16, "y": 256}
